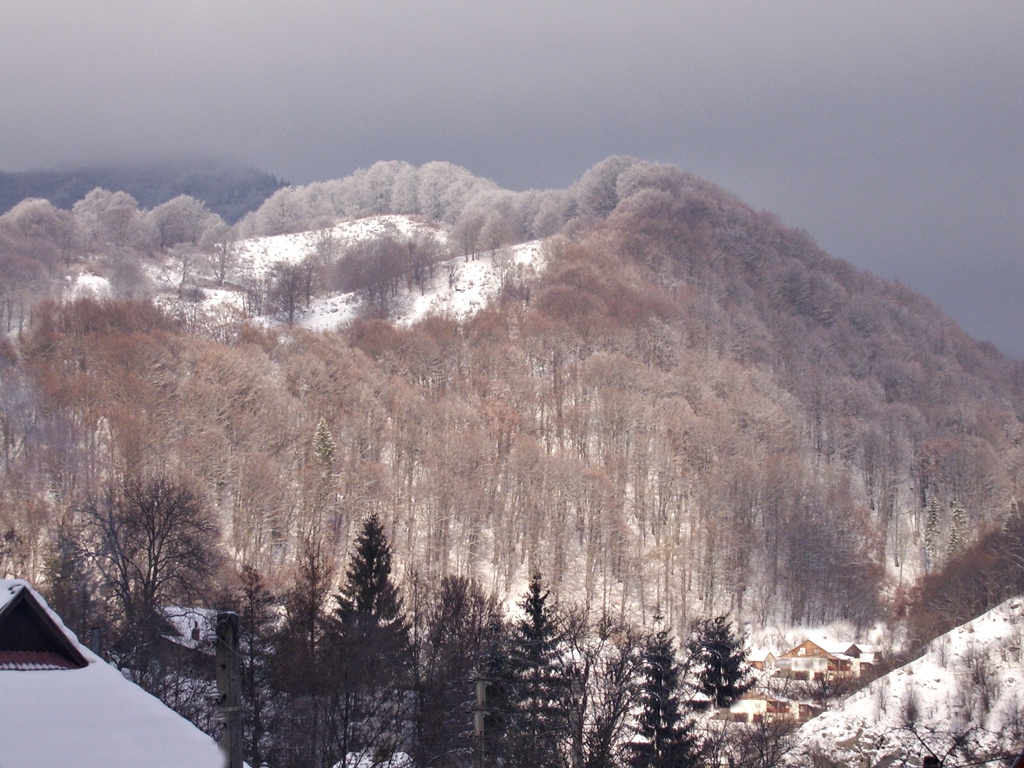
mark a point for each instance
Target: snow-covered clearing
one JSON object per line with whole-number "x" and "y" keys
{"x": 458, "y": 287}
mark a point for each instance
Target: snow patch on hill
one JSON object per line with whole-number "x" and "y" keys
{"x": 256, "y": 256}
{"x": 87, "y": 285}
{"x": 462, "y": 288}
{"x": 459, "y": 287}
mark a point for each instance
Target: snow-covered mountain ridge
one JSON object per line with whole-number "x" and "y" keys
{"x": 963, "y": 700}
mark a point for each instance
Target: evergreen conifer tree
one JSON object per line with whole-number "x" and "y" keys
{"x": 931, "y": 530}
{"x": 368, "y": 595}
{"x": 255, "y": 606}
{"x": 324, "y": 448}
{"x": 371, "y": 658}
{"x": 666, "y": 739}
{"x": 538, "y": 716}
{"x": 958, "y": 529}
{"x": 498, "y": 673}
{"x": 719, "y": 657}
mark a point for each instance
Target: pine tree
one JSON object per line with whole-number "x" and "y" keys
{"x": 369, "y": 595}
{"x": 958, "y": 530}
{"x": 666, "y": 739}
{"x": 538, "y": 716}
{"x": 497, "y": 670}
{"x": 720, "y": 661}
{"x": 931, "y": 530}
{"x": 325, "y": 449}
{"x": 255, "y": 606}
{"x": 371, "y": 658}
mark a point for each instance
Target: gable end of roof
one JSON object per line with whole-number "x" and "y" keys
{"x": 27, "y": 628}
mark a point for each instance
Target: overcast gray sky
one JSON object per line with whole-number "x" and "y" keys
{"x": 892, "y": 132}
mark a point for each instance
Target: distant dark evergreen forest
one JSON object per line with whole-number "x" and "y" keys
{"x": 228, "y": 189}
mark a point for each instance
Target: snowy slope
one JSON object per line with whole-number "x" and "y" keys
{"x": 255, "y": 256}
{"x": 459, "y": 287}
{"x": 970, "y": 681}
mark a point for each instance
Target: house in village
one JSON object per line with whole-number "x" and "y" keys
{"x": 824, "y": 660}
{"x": 754, "y": 707}
{"x": 762, "y": 659}
{"x": 60, "y": 704}
{"x": 758, "y": 707}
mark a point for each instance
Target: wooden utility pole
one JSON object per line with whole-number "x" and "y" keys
{"x": 478, "y": 720}
{"x": 229, "y": 686}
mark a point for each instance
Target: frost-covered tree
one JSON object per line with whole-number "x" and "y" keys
{"x": 957, "y": 529}
{"x": 220, "y": 241}
{"x": 931, "y": 530}
{"x": 109, "y": 218}
{"x": 36, "y": 229}
{"x": 182, "y": 219}
{"x": 597, "y": 191}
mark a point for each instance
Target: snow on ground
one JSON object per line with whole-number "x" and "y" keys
{"x": 328, "y": 313}
{"x": 363, "y": 760}
{"x": 458, "y": 288}
{"x": 88, "y": 286}
{"x": 259, "y": 254}
{"x": 969, "y": 678}
{"x": 192, "y": 627}
{"x": 461, "y": 288}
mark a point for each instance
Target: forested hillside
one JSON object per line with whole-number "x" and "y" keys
{"x": 694, "y": 409}
{"x": 685, "y": 410}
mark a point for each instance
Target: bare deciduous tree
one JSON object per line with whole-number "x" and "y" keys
{"x": 153, "y": 542}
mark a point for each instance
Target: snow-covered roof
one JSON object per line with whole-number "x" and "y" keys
{"x": 364, "y": 760}
{"x": 91, "y": 716}
{"x": 837, "y": 647}
{"x": 194, "y": 628}
{"x": 9, "y": 589}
